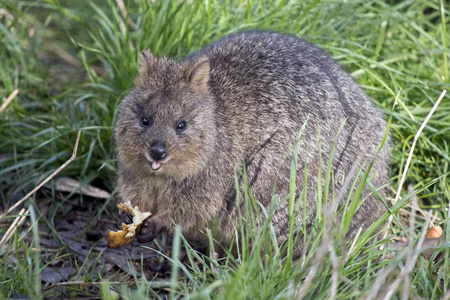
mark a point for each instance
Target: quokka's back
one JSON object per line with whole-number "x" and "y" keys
{"x": 187, "y": 127}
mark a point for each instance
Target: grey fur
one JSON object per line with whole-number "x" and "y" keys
{"x": 257, "y": 88}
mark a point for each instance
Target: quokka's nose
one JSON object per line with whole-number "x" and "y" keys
{"x": 158, "y": 152}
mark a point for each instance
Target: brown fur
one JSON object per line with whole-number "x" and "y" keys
{"x": 256, "y": 88}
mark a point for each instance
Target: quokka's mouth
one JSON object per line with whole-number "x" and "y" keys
{"x": 156, "y": 165}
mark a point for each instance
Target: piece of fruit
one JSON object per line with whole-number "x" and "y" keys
{"x": 116, "y": 239}
{"x": 435, "y": 232}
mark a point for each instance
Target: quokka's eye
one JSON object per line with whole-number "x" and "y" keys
{"x": 145, "y": 122}
{"x": 181, "y": 126}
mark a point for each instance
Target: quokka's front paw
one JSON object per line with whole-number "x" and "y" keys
{"x": 149, "y": 230}
{"x": 126, "y": 217}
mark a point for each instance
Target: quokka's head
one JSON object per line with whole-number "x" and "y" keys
{"x": 166, "y": 125}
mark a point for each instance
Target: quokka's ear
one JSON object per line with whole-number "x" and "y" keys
{"x": 146, "y": 64}
{"x": 199, "y": 76}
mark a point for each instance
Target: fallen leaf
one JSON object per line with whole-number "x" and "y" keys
{"x": 57, "y": 275}
{"x": 69, "y": 185}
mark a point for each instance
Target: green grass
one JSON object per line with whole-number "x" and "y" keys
{"x": 397, "y": 50}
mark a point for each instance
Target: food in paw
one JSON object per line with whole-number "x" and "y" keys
{"x": 125, "y": 236}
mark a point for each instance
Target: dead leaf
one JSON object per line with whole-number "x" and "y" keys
{"x": 69, "y": 185}
{"x": 57, "y": 275}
